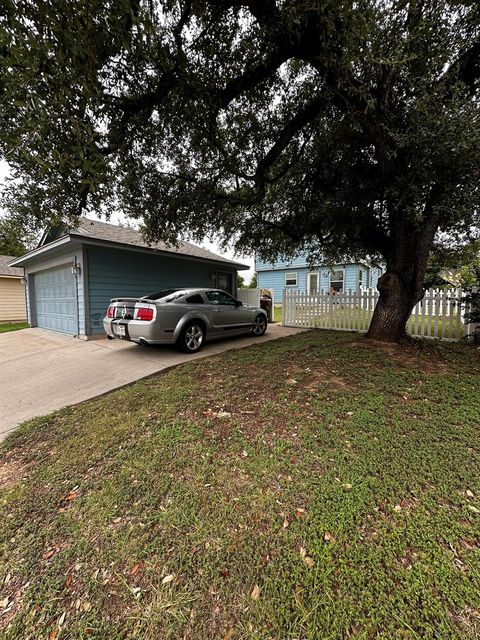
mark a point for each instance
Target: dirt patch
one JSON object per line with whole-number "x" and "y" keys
{"x": 407, "y": 353}
{"x": 318, "y": 380}
{"x": 11, "y": 473}
{"x": 468, "y": 620}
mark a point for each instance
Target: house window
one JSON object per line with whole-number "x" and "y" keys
{"x": 360, "y": 278}
{"x": 337, "y": 277}
{"x": 225, "y": 281}
{"x": 313, "y": 281}
{"x": 291, "y": 279}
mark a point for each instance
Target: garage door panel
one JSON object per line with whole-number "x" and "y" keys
{"x": 55, "y": 302}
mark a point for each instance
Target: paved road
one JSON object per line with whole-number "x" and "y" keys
{"x": 41, "y": 371}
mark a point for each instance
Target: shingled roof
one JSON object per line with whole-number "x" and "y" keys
{"x": 11, "y": 272}
{"x": 96, "y": 230}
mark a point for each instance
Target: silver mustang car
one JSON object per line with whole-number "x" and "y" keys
{"x": 185, "y": 317}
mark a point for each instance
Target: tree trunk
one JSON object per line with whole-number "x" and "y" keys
{"x": 393, "y": 308}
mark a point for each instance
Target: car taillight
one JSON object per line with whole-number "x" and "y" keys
{"x": 144, "y": 313}
{"x": 111, "y": 312}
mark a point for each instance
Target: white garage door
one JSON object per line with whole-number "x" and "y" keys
{"x": 55, "y": 304}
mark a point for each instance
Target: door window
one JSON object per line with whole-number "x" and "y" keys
{"x": 313, "y": 283}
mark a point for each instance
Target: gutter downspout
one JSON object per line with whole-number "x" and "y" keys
{"x": 75, "y": 270}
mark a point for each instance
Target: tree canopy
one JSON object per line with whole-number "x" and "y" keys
{"x": 343, "y": 129}
{"x": 17, "y": 235}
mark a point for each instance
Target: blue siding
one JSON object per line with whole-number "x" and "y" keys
{"x": 299, "y": 261}
{"x": 275, "y": 278}
{"x": 114, "y": 272}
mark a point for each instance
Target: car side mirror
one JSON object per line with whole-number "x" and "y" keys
{"x": 238, "y": 303}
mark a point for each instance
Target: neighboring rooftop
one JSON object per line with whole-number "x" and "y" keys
{"x": 11, "y": 272}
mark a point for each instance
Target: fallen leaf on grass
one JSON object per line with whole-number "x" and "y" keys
{"x": 71, "y": 495}
{"x": 52, "y": 635}
{"x": 469, "y": 493}
{"x": 168, "y": 578}
{"x": 135, "y": 569}
{"x": 473, "y": 509}
{"x": 328, "y": 537}
{"x": 255, "y": 592}
{"x": 347, "y": 487}
{"x": 68, "y": 580}
{"x": 229, "y": 635}
{"x": 309, "y": 561}
{"x": 397, "y": 508}
{"x": 4, "y": 602}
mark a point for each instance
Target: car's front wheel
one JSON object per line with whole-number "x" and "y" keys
{"x": 191, "y": 338}
{"x": 259, "y": 325}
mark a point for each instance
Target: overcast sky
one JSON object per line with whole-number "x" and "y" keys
{"x": 212, "y": 246}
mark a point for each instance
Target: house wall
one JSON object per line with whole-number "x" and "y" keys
{"x": 275, "y": 279}
{"x": 117, "y": 272}
{"x": 299, "y": 261}
{"x": 12, "y": 300}
{"x": 60, "y": 259}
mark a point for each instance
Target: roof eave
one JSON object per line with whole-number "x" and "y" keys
{"x": 25, "y": 259}
{"x": 125, "y": 245}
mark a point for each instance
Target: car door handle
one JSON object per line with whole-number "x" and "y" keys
{"x": 218, "y": 310}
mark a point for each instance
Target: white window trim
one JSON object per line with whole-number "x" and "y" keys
{"x": 290, "y": 275}
{"x": 330, "y": 277}
{"x": 313, "y": 273}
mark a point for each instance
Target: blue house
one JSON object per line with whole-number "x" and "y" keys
{"x": 72, "y": 274}
{"x": 296, "y": 275}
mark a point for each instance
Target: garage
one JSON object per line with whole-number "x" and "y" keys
{"x": 74, "y": 272}
{"x": 55, "y": 303}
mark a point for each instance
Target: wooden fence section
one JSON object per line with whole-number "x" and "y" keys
{"x": 440, "y": 314}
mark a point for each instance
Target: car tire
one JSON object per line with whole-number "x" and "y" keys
{"x": 259, "y": 325}
{"x": 191, "y": 338}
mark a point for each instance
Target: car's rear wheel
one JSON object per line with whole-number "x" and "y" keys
{"x": 191, "y": 338}
{"x": 259, "y": 325}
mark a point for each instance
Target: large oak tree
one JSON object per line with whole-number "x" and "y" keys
{"x": 345, "y": 129}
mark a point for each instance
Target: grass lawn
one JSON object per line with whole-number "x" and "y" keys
{"x": 13, "y": 326}
{"x": 310, "y": 488}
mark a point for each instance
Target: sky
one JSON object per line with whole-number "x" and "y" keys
{"x": 211, "y": 246}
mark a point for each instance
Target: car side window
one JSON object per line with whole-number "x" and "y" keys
{"x": 195, "y": 299}
{"x": 220, "y": 297}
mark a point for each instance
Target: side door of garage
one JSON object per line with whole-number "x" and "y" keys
{"x": 55, "y": 300}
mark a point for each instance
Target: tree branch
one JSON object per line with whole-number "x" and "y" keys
{"x": 285, "y": 136}
{"x": 465, "y": 69}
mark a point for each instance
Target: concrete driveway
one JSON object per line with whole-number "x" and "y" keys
{"x": 41, "y": 371}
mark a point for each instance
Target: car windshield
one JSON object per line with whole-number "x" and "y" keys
{"x": 160, "y": 294}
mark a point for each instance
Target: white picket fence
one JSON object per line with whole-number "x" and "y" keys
{"x": 440, "y": 314}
